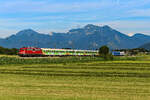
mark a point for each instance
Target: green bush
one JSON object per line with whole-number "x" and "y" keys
{"x": 7, "y": 51}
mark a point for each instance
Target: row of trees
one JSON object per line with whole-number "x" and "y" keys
{"x": 7, "y": 51}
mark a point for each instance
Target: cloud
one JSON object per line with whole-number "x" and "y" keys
{"x": 140, "y": 12}
{"x": 43, "y": 6}
{"x": 6, "y": 32}
{"x": 46, "y": 6}
{"x": 130, "y": 27}
{"x": 126, "y": 27}
{"x": 127, "y": 16}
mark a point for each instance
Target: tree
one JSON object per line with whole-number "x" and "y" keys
{"x": 104, "y": 50}
{"x": 7, "y": 51}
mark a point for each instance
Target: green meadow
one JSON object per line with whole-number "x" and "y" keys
{"x": 74, "y": 78}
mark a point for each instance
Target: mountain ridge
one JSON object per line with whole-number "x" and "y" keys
{"x": 87, "y": 37}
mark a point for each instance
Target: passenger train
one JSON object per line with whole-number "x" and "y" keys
{"x": 33, "y": 51}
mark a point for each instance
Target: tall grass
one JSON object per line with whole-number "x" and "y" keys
{"x": 16, "y": 60}
{"x": 4, "y": 60}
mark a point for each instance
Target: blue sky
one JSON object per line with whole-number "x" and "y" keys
{"x": 45, "y": 16}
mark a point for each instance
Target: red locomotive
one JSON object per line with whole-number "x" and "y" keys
{"x": 30, "y": 51}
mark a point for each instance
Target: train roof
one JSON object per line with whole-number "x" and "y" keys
{"x": 30, "y": 48}
{"x": 69, "y": 49}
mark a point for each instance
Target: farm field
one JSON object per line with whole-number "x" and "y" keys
{"x": 72, "y": 79}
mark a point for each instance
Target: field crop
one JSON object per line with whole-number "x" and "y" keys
{"x": 9, "y": 60}
{"x": 79, "y": 79}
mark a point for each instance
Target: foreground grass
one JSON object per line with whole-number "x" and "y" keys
{"x": 8, "y": 60}
{"x": 77, "y": 80}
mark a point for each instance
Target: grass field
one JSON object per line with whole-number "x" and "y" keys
{"x": 74, "y": 79}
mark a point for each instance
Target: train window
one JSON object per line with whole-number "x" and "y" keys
{"x": 29, "y": 49}
{"x": 37, "y": 50}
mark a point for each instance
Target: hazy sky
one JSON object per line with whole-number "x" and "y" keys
{"x": 45, "y": 16}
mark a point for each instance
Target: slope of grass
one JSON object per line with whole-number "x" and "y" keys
{"x": 74, "y": 79}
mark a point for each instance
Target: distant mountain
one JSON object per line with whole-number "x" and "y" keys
{"x": 88, "y": 37}
{"x": 145, "y": 46}
{"x": 141, "y": 38}
{"x": 24, "y": 38}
